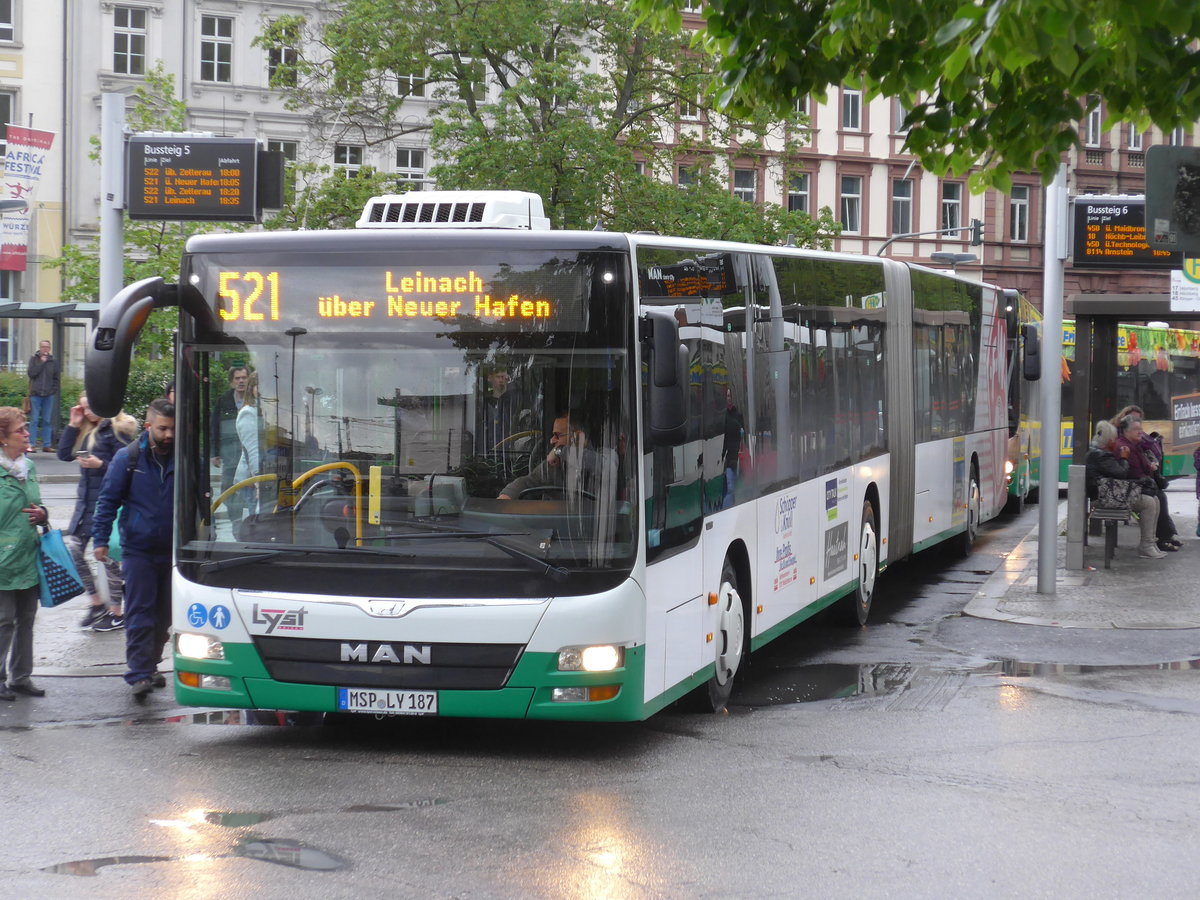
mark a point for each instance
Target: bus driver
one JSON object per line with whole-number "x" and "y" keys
{"x": 569, "y": 460}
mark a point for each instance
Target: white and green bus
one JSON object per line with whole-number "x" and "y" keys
{"x": 752, "y": 435}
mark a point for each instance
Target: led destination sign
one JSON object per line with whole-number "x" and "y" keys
{"x": 411, "y": 299}
{"x": 1110, "y": 232}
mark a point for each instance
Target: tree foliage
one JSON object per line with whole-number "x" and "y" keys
{"x": 576, "y": 92}
{"x": 997, "y": 84}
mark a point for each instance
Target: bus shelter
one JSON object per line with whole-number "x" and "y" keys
{"x": 1098, "y": 346}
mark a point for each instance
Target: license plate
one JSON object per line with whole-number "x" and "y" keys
{"x": 388, "y": 703}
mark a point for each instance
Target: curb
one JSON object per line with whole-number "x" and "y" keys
{"x": 986, "y": 602}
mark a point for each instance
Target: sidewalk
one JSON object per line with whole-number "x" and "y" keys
{"x": 1135, "y": 593}
{"x": 52, "y": 470}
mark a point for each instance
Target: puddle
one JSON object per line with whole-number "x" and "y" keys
{"x": 289, "y": 853}
{"x": 835, "y": 681}
{"x": 93, "y": 866}
{"x": 270, "y": 717}
{"x": 831, "y": 681}
{"x": 281, "y": 851}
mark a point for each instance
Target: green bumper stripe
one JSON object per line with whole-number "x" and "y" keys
{"x": 527, "y": 694}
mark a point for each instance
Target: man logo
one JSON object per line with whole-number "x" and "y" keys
{"x": 410, "y": 655}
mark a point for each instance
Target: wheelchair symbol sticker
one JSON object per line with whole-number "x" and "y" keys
{"x": 197, "y": 615}
{"x": 218, "y": 617}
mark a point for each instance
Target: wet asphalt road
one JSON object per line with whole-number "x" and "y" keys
{"x": 927, "y": 755}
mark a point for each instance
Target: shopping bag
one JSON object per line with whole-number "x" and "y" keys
{"x": 58, "y": 578}
{"x": 1116, "y": 493}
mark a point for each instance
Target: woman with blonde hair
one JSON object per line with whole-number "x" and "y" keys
{"x": 92, "y": 442}
{"x": 21, "y": 512}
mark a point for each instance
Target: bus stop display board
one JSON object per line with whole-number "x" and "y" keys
{"x": 194, "y": 178}
{"x": 1110, "y": 233}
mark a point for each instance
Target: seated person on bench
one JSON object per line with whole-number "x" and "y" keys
{"x": 1102, "y": 463}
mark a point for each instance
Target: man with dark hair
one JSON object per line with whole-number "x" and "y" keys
{"x": 44, "y": 377}
{"x": 141, "y": 479}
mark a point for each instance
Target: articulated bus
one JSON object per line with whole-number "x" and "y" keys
{"x": 497, "y": 470}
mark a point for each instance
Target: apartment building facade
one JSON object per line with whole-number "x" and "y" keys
{"x": 55, "y": 65}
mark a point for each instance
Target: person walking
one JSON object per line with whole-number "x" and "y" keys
{"x": 141, "y": 480}
{"x": 21, "y": 512}
{"x": 92, "y": 442}
{"x": 44, "y": 376}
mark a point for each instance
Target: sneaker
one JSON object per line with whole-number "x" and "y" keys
{"x": 158, "y": 680}
{"x": 109, "y": 622}
{"x": 93, "y": 615}
{"x": 1169, "y": 546}
{"x": 141, "y": 688}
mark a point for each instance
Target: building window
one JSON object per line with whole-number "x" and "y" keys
{"x": 129, "y": 41}
{"x": 689, "y": 108}
{"x": 745, "y": 185}
{"x": 1018, "y": 214}
{"x": 902, "y": 206}
{"x": 851, "y": 204}
{"x": 1177, "y": 137}
{"x": 411, "y": 85}
{"x": 687, "y": 175}
{"x": 8, "y": 108}
{"x": 8, "y": 28}
{"x": 281, "y": 61}
{"x": 1135, "y": 137}
{"x": 472, "y": 80}
{"x": 348, "y": 158}
{"x": 410, "y": 164}
{"x": 951, "y": 205}
{"x": 1092, "y": 124}
{"x": 851, "y": 110}
{"x": 798, "y": 193}
{"x": 216, "y": 49}
{"x": 288, "y": 149}
{"x": 899, "y": 114}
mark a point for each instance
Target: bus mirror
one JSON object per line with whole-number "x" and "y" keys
{"x": 667, "y": 363}
{"x": 106, "y": 370}
{"x": 1031, "y": 353}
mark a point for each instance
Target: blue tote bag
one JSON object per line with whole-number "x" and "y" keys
{"x": 58, "y": 578}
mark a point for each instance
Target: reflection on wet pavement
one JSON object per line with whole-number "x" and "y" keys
{"x": 288, "y": 853}
{"x": 838, "y": 681}
{"x": 92, "y": 866}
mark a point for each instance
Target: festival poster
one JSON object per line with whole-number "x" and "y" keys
{"x": 23, "y": 163}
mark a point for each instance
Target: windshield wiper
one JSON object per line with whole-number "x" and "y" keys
{"x": 233, "y": 562}
{"x": 557, "y": 573}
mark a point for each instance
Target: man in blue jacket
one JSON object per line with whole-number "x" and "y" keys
{"x": 141, "y": 480}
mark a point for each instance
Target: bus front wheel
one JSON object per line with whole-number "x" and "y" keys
{"x": 730, "y": 639}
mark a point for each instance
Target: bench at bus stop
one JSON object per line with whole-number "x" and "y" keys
{"x": 1084, "y": 517}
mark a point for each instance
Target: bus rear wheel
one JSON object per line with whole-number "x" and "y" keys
{"x": 974, "y": 511}
{"x": 868, "y": 567}
{"x": 729, "y": 638}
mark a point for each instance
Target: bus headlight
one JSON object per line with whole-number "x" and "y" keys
{"x": 199, "y": 646}
{"x": 601, "y": 658}
{"x": 1008, "y": 467}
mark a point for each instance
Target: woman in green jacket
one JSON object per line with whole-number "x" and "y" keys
{"x": 21, "y": 513}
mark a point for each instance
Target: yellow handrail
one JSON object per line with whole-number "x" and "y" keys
{"x": 325, "y": 467}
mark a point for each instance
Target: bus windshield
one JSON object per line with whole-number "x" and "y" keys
{"x": 407, "y": 423}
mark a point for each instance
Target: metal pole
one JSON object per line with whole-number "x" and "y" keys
{"x": 112, "y": 194}
{"x": 1052, "y": 324}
